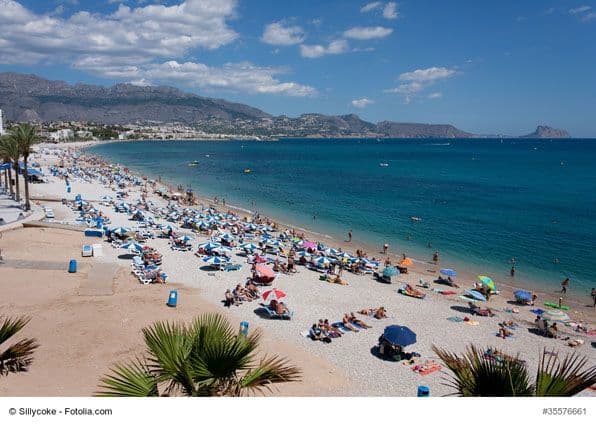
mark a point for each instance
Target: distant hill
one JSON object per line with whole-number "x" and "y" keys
{"x": 32, "y": 98}
{"x": 546, "y": 132}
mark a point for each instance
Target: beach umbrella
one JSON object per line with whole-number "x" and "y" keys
{"x": 226, "y": 237}
{"x": 120, "y": 230}
{"x": 275, "y": 244}
{"x": 555, "y": 316}
{"x": 185, "y": 239}
{"x": 132, "y": 245}
{"x": 329, "y": 252}
{"x": 367, "y": 263}
{"x": 309, "y": 245}
{"x": 488, "y": 282}
{"x": 264, "y": 271}
{"x": 302, "y": 254}
{"x": 249, "y": 246}
{"x": 345, "y": 256}
{"x": 222, "y": 250}
{"x": 215, "y": 260}
{"x": 201, "y": 224}
{"x": 475, "y": 294}
{"x": 406, "y": 262}
{"x": 448, "y": 272}
{"x": 399, "y": 335}
{"x": 322, "y": 261}
{"x": 390, "y": 271}
{"x": 250, "y": 227}
{"x": 273, "y": 294}
{"x": 209, "y": 246}
{"x": 522, "y": 295}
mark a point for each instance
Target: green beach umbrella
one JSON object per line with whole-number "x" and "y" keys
{"x": 555, "y": 316}
{"x": 488, "y": 282}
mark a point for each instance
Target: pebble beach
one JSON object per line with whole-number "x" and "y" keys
{"x": 353, "y": 368}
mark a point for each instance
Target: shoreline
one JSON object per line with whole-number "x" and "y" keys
{"x": 576, "y": 301}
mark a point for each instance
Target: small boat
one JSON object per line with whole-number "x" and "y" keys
{"x": 383, "y": 164}
{"x": 414, "y": 218}
{"x": 247, "y": 171}
{"x": 207, "y": 156}
{"x": 193, "y": 163}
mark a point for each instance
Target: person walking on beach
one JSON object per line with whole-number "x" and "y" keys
{"x": 436, "y": 257}
{"x": 350, "y": 236}
{"x": 385, "y": 247}
{"x": 512, "y": 271}
{"x": 594, "y": 296}
{"x": 564, "y": 286}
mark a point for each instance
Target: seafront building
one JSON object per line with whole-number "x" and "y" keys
{"x": 1, "y": 123}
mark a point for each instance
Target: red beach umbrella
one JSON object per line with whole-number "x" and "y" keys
{"x": 264, "y": 271}
{"x": 273, "y": 294}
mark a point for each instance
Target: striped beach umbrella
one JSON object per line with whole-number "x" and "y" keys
{"x": 273, "y": 294}
{"x": 322, "y": 261}
{"x": 249, "y": 246}
{"x": 132, "y": 245}
{"x": 475, "y": 294}
{"x": 555, "y": 316}
{"x": 275, "y": 244}
{"x": 120, "y": 230}
{"x": 226, "y": 237}
{"x": 345, "y": 256}
{"x": 215, "y": 260}
{"x": 209, "y": 246}
{"x": 222, "y": 250}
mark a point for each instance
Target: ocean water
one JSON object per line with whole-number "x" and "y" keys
{"x": 481, "y": 202}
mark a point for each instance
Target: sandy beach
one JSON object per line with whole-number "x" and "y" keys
{"x": 85, "y": 323}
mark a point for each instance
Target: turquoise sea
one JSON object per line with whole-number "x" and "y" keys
{"x": 481, "y": 202}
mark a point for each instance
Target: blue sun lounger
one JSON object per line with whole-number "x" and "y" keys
{"x": 274, "y": 315}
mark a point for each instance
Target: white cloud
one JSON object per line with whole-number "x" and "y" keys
{"x": 242, "y": 76}
{"x": 390, "y": 10}
{"x": 589, "y": 17}
{"x": 138, "y": 44}
{"x": 367, "y": 33}
{"x": 362, "y": 103}
{"x": 278, "y": 34}
{"x": 580, "y": 9}
{"x": 416, "y": 81}
{"x": 435, "y": 95}
{"x": 336, "y": 47}
{"x": 371, "y": 6}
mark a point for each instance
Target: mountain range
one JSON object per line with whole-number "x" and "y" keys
{"x": 25, "y": 97}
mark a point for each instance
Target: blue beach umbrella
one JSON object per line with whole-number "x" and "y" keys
{"x": 448, "y": 272}
{"x": 475, "y": 294}
{"x": 399, "y": 335}
{"x": 132, "y": 246}
{"x": 390, "y": 271}
{"x": 226, "y": 237}
{"x": 345, "y": 256}
{"x": 222, "y": 250}
{"x": 120, "y": 230}
{"x": 522, "y": 295}
{"x": 275, "y": 244}
{"x": 322, "y": 261}
{"x": 249, "y": 246}
{"x": 209, "y": 246}
{"x": 215, "y": 260}
{"x": 184, "y": 239}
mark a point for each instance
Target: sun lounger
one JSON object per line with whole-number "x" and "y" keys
{"x": 232, "y": 267}
{"x": 274, "y": 315}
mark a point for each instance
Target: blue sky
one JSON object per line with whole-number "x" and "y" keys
{"x": 486, "y": 67}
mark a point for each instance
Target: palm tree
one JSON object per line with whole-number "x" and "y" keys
{"x": 501, "y": 375}
{"x": 4, "y": 158}
{"x": 18, "y": 356}
{"x": 10, "y": 151}
{"x": 25, "y": 135}
{"x": 204, "y": 358}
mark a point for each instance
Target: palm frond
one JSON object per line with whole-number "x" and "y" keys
{"x": 272, "y": 370}
{"x": 18, "y": 357}
{"x": 475, "y": 374}
{"x": 563, "y": 378}
{"x": 10, "y": 326}
{"x": 132, "y": 380}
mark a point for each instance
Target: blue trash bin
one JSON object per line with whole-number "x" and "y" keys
{"x": 244, "y": 328}
{"x": 173, "y": 298}
{"x": 423, "y": 391}
{"x": 72, "y": 266}
{"x": 67, "y": 189}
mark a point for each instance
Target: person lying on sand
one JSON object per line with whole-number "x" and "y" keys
{"x": 335, "y": 279}
{"x": 346, "y": 323}
{"x": 278, "y": 306}
{"x": 357, "y": 321}
{"x": 252, "y": 289}
{"x": 328, "y": 330}
{"x": 377, "y": 313}
{"x": 318, "y": 334}
{"x": 504, "y": 332}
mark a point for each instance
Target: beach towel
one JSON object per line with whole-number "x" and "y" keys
{"x": 537, "y": 311}
{"x": 426, "y": 368}
{"x": 471, "y": 322}
{"x": 455, "y": 319}
{"x": 447, "y": 292}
